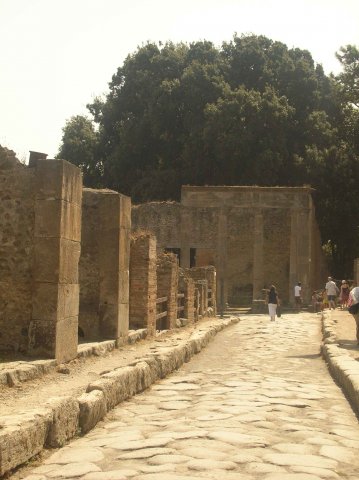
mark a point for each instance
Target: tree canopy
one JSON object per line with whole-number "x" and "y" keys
{"x": 253, "y": 112}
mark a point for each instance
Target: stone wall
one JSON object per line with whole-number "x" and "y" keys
{"x": 162, "y": 219}
{"x": 254, "y": 236}
{"x": 17, "y": 224}
{"x": 104, "y": 265}
{"x": 40, "y": 247}
{"x": 143, "y": 282}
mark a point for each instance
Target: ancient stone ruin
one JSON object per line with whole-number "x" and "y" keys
{"x": 253, "y": 236}
{"x": 71, "y": 270}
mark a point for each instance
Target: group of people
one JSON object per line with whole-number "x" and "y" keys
{"x": 327, "y": 298}
{"x": 321, "y": 299}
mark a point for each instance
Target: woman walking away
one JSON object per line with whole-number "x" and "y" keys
{"x": 273, "y": 302}
{"x": 344, "y": 294}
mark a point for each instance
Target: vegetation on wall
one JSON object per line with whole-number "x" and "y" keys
{"x": 252, "y": 112}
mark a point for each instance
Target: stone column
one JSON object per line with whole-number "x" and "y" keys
{"x": 143, "y": 283}
{"x": 55, "y": 303}
{"x": 189, "y": 300}
{"x": 221, "y": 264}
{"x": 187, "y": 287}
{"x": 258, "y": 243}
{"x": 185, "y": 238}
{"x": 114, "y": 259}
{"x": 167, "y": 285}
{"x": 300, "y": 253}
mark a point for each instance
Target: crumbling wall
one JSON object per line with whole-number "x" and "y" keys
{"x": 17, "y": 223}
{"x": 40, "y": 211}
{"x": 162, "y": 219}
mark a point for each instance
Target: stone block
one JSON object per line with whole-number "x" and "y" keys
{"x": 47, "y": 260}
{"x": 116, "y": 386}
{"x": 54, "y": 339}
{"x": 123, "y": 321}
{"x": 52, "y": 301}
{"x": 92, "y": 409}
{"x": 124, "y": 248}
{"x": 65, "y": 420}
{"x": 58, "y": 179}
{"x": 66, "y": 339}
{"x": 22, "y": 437}
{"x": 57, "y": 218}
{"x": 125, "y": 211}
{"x": 69, "y": 261}
{"x": 124, "y": 286}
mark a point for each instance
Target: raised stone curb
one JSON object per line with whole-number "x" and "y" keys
{"x": 13, "y": 373}
{"x": 25, "y": 435}
{"x": 344, "y": 368}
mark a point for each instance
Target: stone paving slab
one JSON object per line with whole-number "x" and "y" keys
{"x": 265, "y": 408}
{"x": 62, "y": 418}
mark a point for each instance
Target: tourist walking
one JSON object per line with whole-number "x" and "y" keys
{"x": 344, "y": 294}
{"x": 332, "y": 292}
{"x": 353, "y": 303}
{"x": 298, "y": 296}
{"x": 273, "y": 302}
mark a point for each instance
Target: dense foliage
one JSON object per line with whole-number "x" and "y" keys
{"x": 253, "y": 112}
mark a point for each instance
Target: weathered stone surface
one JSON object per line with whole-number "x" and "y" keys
{"x": 65, "y": 420}
{"x": 92, "y": 408}
{"x": 22, "y": 437}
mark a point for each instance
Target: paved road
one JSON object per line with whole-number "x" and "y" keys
{"x": 257, "y": 403}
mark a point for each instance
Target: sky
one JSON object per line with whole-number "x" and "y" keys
{"x": 57, "y": 55}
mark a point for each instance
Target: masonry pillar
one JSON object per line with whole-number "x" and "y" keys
{"x": 185, "y": 238}
{"x": 221, "y": 264}
{"x": 258, "y": 259}
{"x": 300, "y": 253}
{"x": 143, "y": 283}
{"x": 114, "y": 257}
{"x": 167, "y": 285}
{"x": 55, "y": 302}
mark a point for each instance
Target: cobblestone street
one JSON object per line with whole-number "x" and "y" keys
{"x": 257, "y": 403}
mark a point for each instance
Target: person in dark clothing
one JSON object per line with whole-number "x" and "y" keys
{"x": 273, "y": 302}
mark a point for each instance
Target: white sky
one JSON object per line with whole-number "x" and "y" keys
{"x": 56, "y": 55}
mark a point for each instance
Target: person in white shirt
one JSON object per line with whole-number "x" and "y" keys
{"x": 332, "y": 292}
{"x": 354, "y": 307}
{"x": 298, "y": 295}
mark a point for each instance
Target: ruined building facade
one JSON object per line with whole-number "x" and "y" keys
{"x": 254, "y": 236}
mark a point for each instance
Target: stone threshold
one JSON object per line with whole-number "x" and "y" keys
{"x": 343, "y": 368}
{"x": 24, "y": 435}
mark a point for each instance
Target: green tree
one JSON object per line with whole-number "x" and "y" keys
{"x": 80, "y": 146}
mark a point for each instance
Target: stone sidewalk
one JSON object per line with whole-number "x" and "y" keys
{"x": 257, "y": 404}
{"x": 341, "y": 352}
{"x": 49, "y": 411}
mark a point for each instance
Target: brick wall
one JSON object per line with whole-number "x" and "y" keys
{"x": 143, "y": 282}
{"x": 167, "y": 284}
